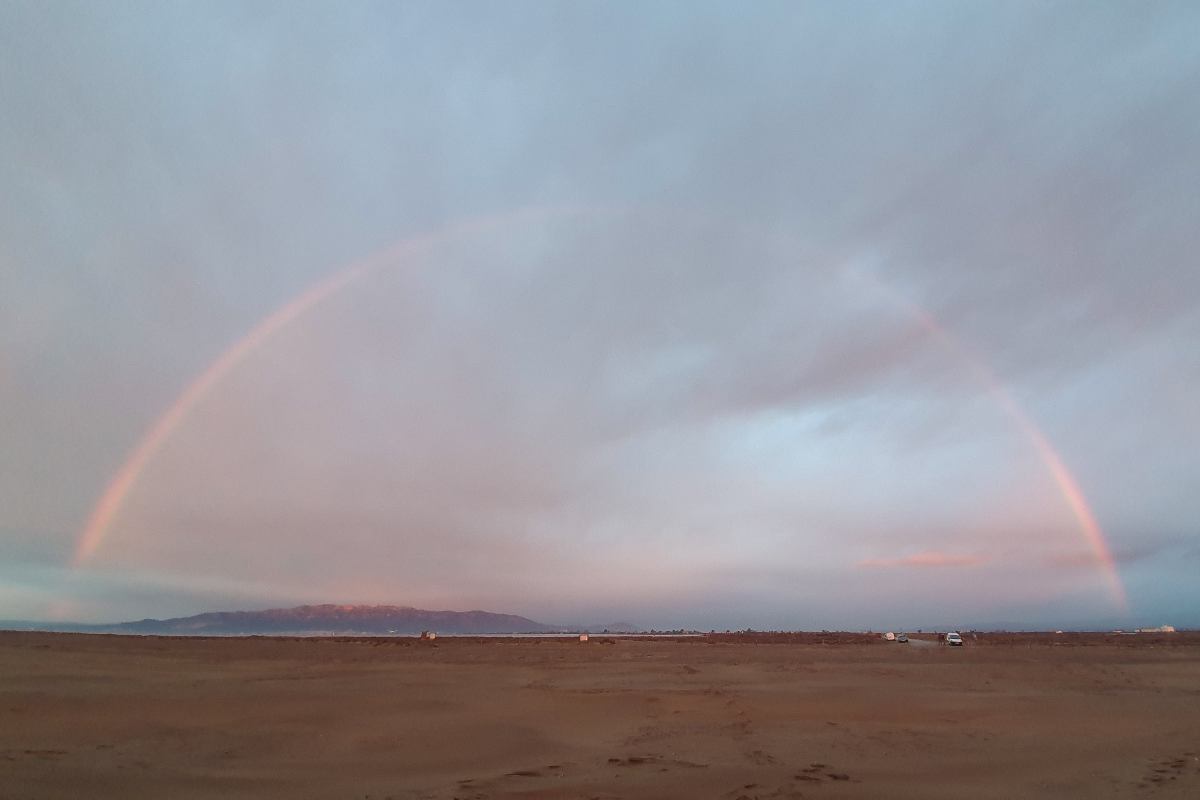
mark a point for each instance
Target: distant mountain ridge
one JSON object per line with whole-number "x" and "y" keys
{"x": 330, "y": 619}
{"x": 340, "y": 619}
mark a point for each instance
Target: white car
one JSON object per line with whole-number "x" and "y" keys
{"x": 954, "y": 640}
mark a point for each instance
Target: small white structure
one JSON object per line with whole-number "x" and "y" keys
{"x": 583, "y": 637}
{"x": 1159, "y": 629}
{"x": 889, "y": 636}
{"x": 428, "y": 635}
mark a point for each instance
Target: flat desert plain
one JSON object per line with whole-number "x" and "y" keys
{"x": 781, "y": 716}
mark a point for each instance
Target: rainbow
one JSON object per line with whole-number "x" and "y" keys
{"x": 152, "y": 441}
{"x": 1067, "y": 485}
{"x": 118, "y": 488}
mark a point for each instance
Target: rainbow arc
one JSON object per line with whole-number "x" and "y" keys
{"x": 113, "y": 498}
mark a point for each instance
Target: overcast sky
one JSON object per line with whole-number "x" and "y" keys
{"x": 717, "y": 315}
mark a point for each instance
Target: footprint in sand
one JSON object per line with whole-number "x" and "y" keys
{"x": 1162, "y": 773}
{"x": 752, "y": 791}
{"x": 760, "y": 757}
{"x": 817, "y": 772}
{"x": 46, "y": 753}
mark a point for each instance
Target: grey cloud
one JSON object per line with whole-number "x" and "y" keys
{"x": 689, "y": 372}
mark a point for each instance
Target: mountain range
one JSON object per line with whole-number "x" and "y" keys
{"x": 327, "y": 619}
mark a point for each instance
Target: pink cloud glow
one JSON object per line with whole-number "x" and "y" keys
{"x": 927, "y": 559}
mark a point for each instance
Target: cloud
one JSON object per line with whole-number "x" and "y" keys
{"x": 923, "y": 560}
{"x": 1146, "y": 549}
{"x": 689, "y": 388}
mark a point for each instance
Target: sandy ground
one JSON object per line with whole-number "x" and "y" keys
{"x": 725, "y": 717}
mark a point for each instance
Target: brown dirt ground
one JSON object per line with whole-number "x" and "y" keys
{"x": 738, "y": 716}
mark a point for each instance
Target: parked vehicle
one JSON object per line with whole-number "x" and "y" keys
{"x": 902, "y": 638}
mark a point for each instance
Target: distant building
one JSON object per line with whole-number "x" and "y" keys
{"x": 1159, "y": 629}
